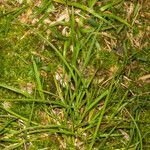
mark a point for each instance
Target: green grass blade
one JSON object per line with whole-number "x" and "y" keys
{"x": 117, "y": 109}
{"x": 96, "y": 101}
{"x": 95, "y": 14}
{"x": 117, "y": 18}
{"x": 114, "y": 2}
{"x": 38, "y": 101}
{"x": 16, "y": 90}
{"x": 59, "y": 90}
{"x": 92, "y": 3}
{"x": 17, "y": 115}
{"x": 101, "y": 116}
{"x": 85, "y": 8}
{"x": 137, "y": 128}
{"x": 58, "y": 53}
{"x": 87, "y": 59}
{"x": 38, "y": 80}
{"x": 14, "y": 146}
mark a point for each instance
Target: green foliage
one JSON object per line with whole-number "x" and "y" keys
{"x": 74, "y": 75}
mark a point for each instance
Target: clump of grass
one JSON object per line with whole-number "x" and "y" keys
{"x": 80, "y": 75}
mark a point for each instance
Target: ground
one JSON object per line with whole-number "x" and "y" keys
{"x": 74, "y": 74}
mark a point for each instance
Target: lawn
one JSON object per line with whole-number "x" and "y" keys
{"x": 74, "y": 75}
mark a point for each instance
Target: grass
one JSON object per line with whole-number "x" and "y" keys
{"x": 74, "y": 75}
